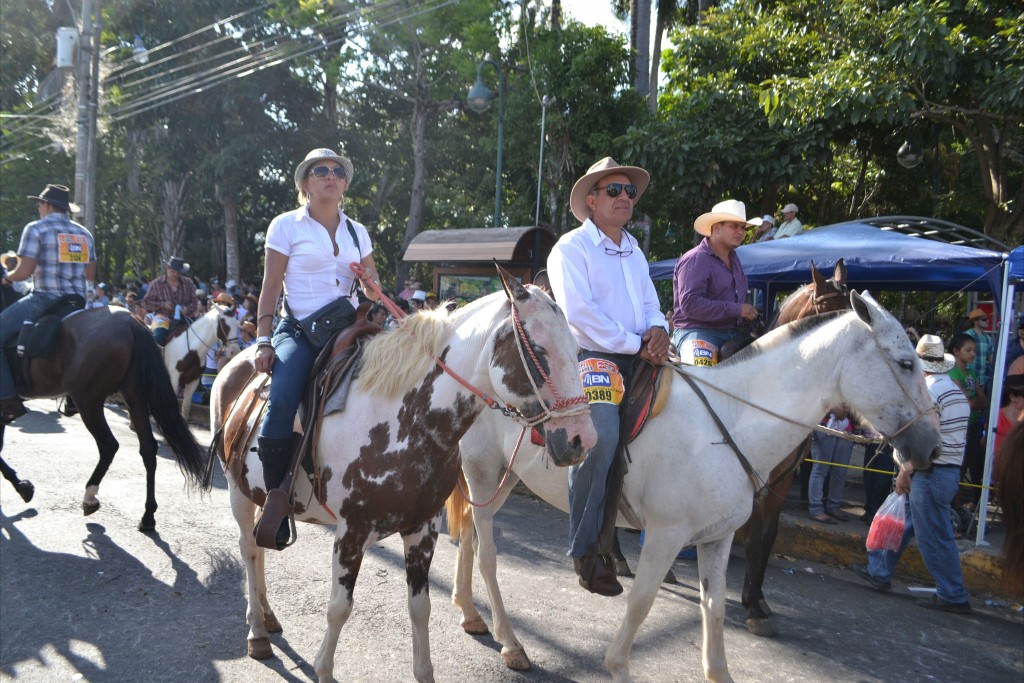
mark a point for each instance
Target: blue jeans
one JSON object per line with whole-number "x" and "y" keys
{"x": 28, "y": 307}
{"x": 293, "y": 359}
{"x": 827, "y": 448}
{"x": 714, "y": 337}
{"x": 929, "y": 506}
{"x": 588, "y": 480}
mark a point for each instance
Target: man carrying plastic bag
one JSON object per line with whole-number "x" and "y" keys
{"x": 931, "y": 492}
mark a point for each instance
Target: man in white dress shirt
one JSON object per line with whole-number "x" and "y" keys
{"x": 601, "y": 280}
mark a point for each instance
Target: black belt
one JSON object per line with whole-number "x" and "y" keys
{"x": 937, "y": 467}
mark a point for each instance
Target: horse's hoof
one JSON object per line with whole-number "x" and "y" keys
{"x": 670, "y": 578}
{"x": 622, "y": 569}
{"x": 475, "y": 627}
{"x": 25, "y": 489}
{"x": 259, "y": 648}
{"x": 761, "y": 627}
{"x": 271, "y": 623}
{"x": 147, "y": 525}
{"x": 516, "y": 659}
{"x": 89, "y": 508}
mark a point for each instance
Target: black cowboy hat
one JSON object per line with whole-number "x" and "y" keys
{"x": 177, "y": 263}
{"x": 57, "y": 196}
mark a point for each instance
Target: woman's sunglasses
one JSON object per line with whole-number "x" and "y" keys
{"x": 324, "y": 171}
{"x": 614, "y": 189}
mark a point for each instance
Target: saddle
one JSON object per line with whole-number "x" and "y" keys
{"x": 327, "y": 386}
{"x": 37, "y": 339}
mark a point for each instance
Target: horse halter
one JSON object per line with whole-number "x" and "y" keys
{"x": 562, "y": 407}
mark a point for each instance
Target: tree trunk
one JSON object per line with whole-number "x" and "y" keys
{"x": 556, "y": 15}
{"x": 231, "y": 252}
{"x": 640, "y": 16}
{"x": 414, "y": 224}
{"x": 172, "y": 237}
{"x": 664, "y": 20}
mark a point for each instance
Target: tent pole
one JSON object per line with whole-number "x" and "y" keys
{"x": 1005, "y": 315}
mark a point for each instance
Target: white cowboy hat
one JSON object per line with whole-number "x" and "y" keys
{"x": 321, "y": 154}
{"x": 607, "y": 166}
{"x": 932, "y": 353}
{"x": 731, "y": 210}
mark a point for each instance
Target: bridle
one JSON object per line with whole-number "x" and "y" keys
{"x": 224, "y": 339}
{"x": 561, "y": 408}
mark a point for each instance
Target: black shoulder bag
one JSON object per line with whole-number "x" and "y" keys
{"x": 321, "y": 326}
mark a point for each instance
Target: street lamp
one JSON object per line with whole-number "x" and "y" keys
{"x": 909, "y": 155}
{"x": 479, "y": 99}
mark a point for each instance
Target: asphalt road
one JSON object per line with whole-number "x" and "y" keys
{"x": 92, "y": 599}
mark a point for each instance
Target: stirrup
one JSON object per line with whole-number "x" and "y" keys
{"x": 276, "y": 510}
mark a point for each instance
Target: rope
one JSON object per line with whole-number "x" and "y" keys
{"x": 504, "y": 477}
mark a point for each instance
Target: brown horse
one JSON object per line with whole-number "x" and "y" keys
{"x": 1010, "y": 474}
{"x": 758, "y": 534}
{"x": 103, "y": 351}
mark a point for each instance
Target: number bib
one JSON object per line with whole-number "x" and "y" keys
{"x": 160, "y": 322}
{"x": 72, "y": 248}
{"x": 699, "y": 352}
{"x": 602, "y": 381}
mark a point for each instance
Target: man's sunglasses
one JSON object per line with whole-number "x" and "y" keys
{"x": 614, "y": 189}
{"x": 324, "y": 171}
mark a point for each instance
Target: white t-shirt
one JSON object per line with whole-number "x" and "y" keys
{"x": 314, "y": 276}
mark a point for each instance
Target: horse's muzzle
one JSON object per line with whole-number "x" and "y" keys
{"x": 569, "y": 444}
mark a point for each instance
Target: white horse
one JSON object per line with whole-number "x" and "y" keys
{"x": 189, "y": 348}
{"x": 684, "y": 486}
{"x": 387, "y": 463}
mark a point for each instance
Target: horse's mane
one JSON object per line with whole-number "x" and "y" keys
{"x": 780, "y": 335}
{"x": 395, "y": 360}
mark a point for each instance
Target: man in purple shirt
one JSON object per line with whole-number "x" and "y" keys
{"x": 710, "y": 286}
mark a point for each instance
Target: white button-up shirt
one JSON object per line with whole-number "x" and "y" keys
{"x": 608, "y": 298}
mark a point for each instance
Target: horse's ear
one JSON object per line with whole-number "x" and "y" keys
{"x": 820, "y": 283}
{"x": 861, "y": 306}
{"x": 840, "y": 272}
{"x": 513, "y": 288}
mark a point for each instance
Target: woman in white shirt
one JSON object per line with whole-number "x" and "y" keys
{"x": 308, "y": 252}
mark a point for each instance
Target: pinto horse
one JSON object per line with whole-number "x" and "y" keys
{"x": 185, "y": 354}
{"x": 100, "y": 352}
{"x": 758, "y": 534}
{"x": 801, "y": 369}
{"x": 386, "y": 463}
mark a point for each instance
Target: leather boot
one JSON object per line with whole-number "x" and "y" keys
{"x": 595, "y": 575}
{"x": 276, "y": 456}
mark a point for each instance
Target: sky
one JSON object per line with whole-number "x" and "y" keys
{"x": 592, "y": 13}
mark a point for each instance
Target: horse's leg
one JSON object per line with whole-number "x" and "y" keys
{"x": 257, "y": 614}
{"x": 186, "y": 400}
{"x": 24, "y": 487}
{"x": 712, "y": 561}
{"x": 462, "y": 585}
{"x": 138, "y": 410}
{"x": 96, "y": 423}
{"x": 419, "y": 553}
{"x": 659, "y": 551}
{"x": 621, "y": 565}
{"x": 762, "y": 528}
{"x": 512, "y": 651}
{"x": 345, "y": 564}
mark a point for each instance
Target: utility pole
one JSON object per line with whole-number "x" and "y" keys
{"x": 82, "y": 73}
{"x": 94, "y": 103}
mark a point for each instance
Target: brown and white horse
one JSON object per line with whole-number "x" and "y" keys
{"x": 389, "y": 460}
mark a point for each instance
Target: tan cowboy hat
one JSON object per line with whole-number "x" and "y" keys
{"x": 731, "y": 210}
{"x": 224, "y": 299}
{"x": 321, "y": 154}
{"x": 9, "y": 260}
{"x": 932, "y": 353}
{"x": 607, "y": 166}
{"x": 977, "y": 313}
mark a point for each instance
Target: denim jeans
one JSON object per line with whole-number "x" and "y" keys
{"x": 715, "y": 337}
{"x": 293, "y": 358}
{"x": 929, "y": 506}
{"x": 827, "y": 448}
{"x": 588, "y": 480}
{"x": 28, "y": 307}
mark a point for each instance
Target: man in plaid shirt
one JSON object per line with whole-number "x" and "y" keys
{"x": 171, "y": 291}
{"x": 59, "y": 255}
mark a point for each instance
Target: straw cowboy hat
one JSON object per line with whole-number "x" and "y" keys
{"x": 9, "y": 260}
{"x": 932, "y": 353}
{"x": 57, "y": 196}
{"x": 977, "y": 313}
{"x": 730, "y": 210}
{"x": 607, "y": 166}
{"x": 321, "y": 154}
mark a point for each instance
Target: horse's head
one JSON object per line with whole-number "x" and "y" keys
{"x": 533, "y": 366}
{"x": 890, "y": 394}
{"x": 821, "y": 295}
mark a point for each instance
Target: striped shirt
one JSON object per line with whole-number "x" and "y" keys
{"x": 62, "y": 250}
{"x": 954, "y": 414}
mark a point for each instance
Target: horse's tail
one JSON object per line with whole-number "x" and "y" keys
{"x": 1010, "y": 474}
{"x": 148, "y": 365}
{"x": 458, "y": 510}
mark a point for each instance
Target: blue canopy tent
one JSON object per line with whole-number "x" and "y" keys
{"x": 876, "y": 259}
